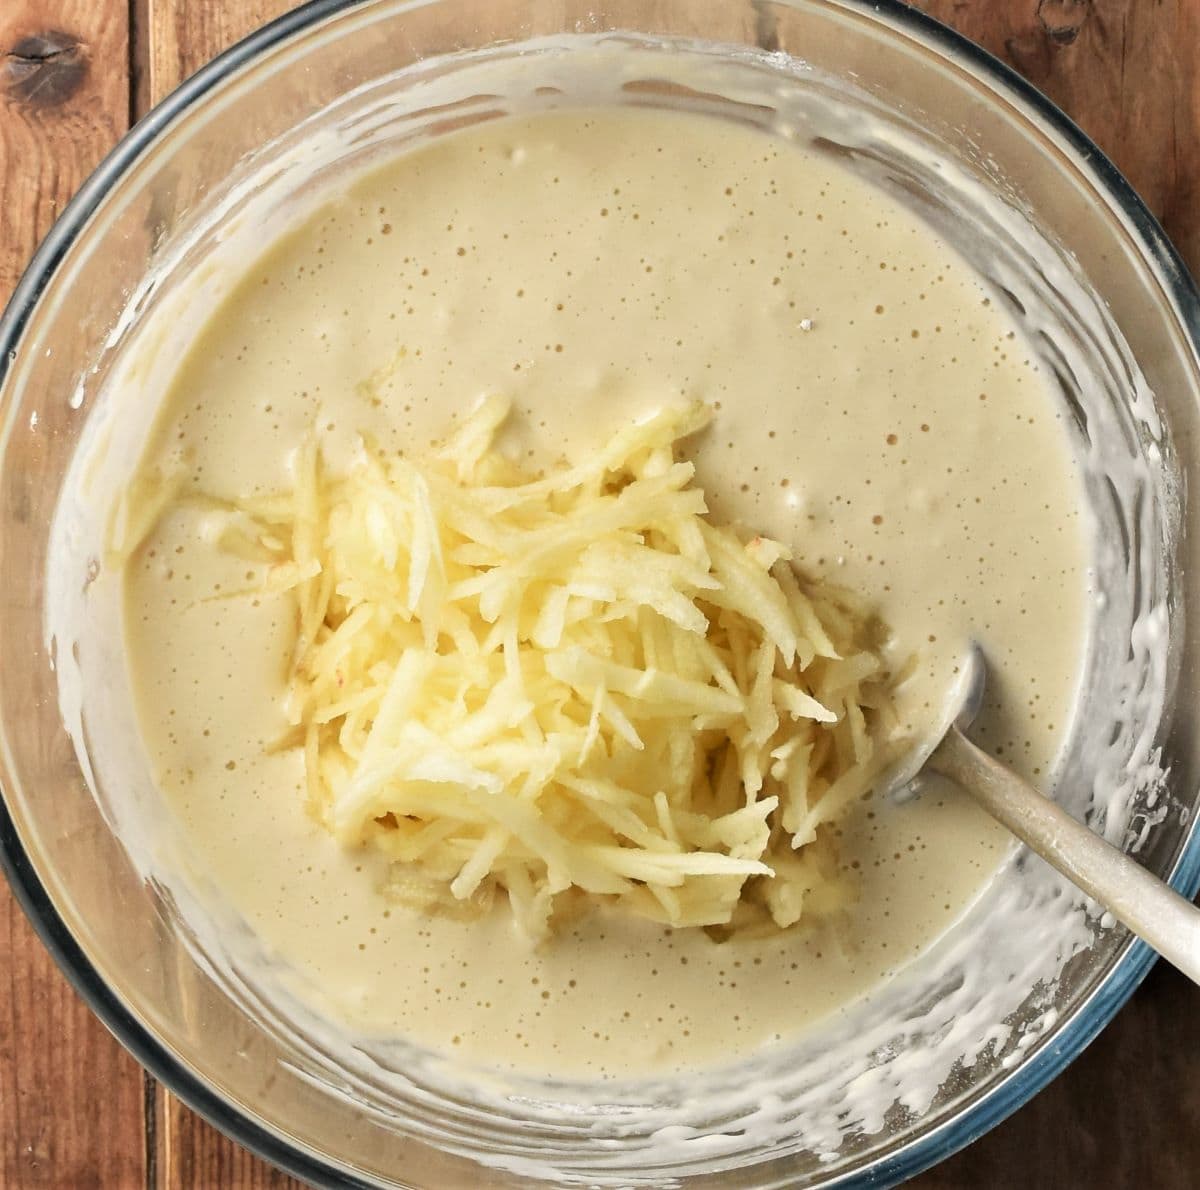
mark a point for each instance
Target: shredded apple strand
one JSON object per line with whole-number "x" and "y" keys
{"x": 568, "y": 685}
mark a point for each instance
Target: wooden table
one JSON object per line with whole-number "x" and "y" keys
{"x": 75, "y": 1109}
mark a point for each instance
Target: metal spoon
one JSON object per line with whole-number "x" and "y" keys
{"x": 1148, "y": 906}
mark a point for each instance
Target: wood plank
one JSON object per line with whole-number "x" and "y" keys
{"x": 172, "y": 40}
{"x": 1125, "y": 71}
{"x": 1123, "y": 1115}
{"x": 176, "y": 37}
{"x": 190, "y": 1154}
{"x": 70, "y": 1098}
{"x": 64, "y": 101}
{"x": 1118, "y": 1113}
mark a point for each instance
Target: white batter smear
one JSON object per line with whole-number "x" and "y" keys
{"x": 874, "y": 410}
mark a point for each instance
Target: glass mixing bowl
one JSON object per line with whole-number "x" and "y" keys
{"x": 332, "y": 86}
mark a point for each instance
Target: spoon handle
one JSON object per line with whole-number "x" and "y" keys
{"x": 1148, "y": 906}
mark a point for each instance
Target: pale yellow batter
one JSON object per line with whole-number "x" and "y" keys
{"x": 874, "y": 410}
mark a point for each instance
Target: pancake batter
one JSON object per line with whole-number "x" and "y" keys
{"x": 874, "y": 410}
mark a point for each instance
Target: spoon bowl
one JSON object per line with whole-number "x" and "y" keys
{"x": 906, "y": 779}
{"x": 1135, "y": 897}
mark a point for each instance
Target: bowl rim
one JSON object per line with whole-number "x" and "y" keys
{"x": 1133, "y": 961}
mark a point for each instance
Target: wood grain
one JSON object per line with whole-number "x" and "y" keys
{"x": 172, "y": 40}
{"x": 190, "y": 1154}
{"x": 71, "y": 1102}
{"x": 1126, "y": 71}
{"x": 1123, "y": 1115}
{"x": 64, "y": 101}
{"x": 176, "y": 37}
{"x": 70, "y": 1097}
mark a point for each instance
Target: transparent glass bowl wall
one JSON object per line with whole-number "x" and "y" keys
{"x": 114, "y": 934}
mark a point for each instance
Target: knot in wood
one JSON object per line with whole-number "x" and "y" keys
{"x": 1062, "y": 19}
{"x": 44, "y": 69}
